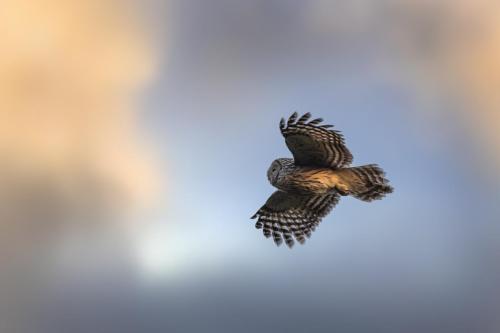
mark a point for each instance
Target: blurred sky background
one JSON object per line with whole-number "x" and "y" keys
{"x": 135, "y": 137}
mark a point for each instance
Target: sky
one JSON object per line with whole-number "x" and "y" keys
{"x": 136, "y": 137}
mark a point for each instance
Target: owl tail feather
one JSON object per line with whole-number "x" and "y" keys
{"x": 367, "y": 182}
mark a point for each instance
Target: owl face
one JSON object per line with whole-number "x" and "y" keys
{"x": 274, "y": 171}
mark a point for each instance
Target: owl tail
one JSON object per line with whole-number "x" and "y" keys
{"x": 366, "y": 182}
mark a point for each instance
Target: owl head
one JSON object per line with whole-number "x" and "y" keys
{"x": 278, "y": 168}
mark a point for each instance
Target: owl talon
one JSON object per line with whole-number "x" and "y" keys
{"x": 342, "y": 190}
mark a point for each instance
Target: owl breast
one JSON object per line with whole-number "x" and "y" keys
{"x": 309, "y": 180}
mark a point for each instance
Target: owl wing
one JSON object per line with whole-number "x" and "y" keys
{"x": 314, "y": 144}
{"x": 285, "y": 214}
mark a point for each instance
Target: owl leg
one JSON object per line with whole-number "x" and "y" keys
{"x": 342, "y": 189}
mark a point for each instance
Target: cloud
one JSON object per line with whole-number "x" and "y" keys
{"x": 446, "y": 51}
{"x": 72, "y": 157}
{"x": 452, "y": 49}
{"x": 70, "y": 75}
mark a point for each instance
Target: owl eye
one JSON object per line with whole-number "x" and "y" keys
{"x": 274, "y": 169}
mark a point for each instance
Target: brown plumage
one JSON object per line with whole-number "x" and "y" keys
{"x": 310, "y": 184}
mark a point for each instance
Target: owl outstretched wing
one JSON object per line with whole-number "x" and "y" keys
{"x": 313, "y": 144}
{"x": 287, "y": 215}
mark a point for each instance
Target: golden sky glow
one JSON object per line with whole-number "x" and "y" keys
{"x": 70, "y": 72}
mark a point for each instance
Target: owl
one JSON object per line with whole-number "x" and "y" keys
{"x": 311, "y": 184}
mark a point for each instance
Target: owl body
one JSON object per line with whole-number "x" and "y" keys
{"x": 306, "y": 180}
{"x": 310, "y": 184}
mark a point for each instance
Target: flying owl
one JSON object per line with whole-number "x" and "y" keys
{"x": 310, "y": 184}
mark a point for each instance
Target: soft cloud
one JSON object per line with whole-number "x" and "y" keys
{"x": 452, "y": 50}
{"x": 447, "y": 51}
{"x": 71, "y": 152}
{"x": 70, "y": 72}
